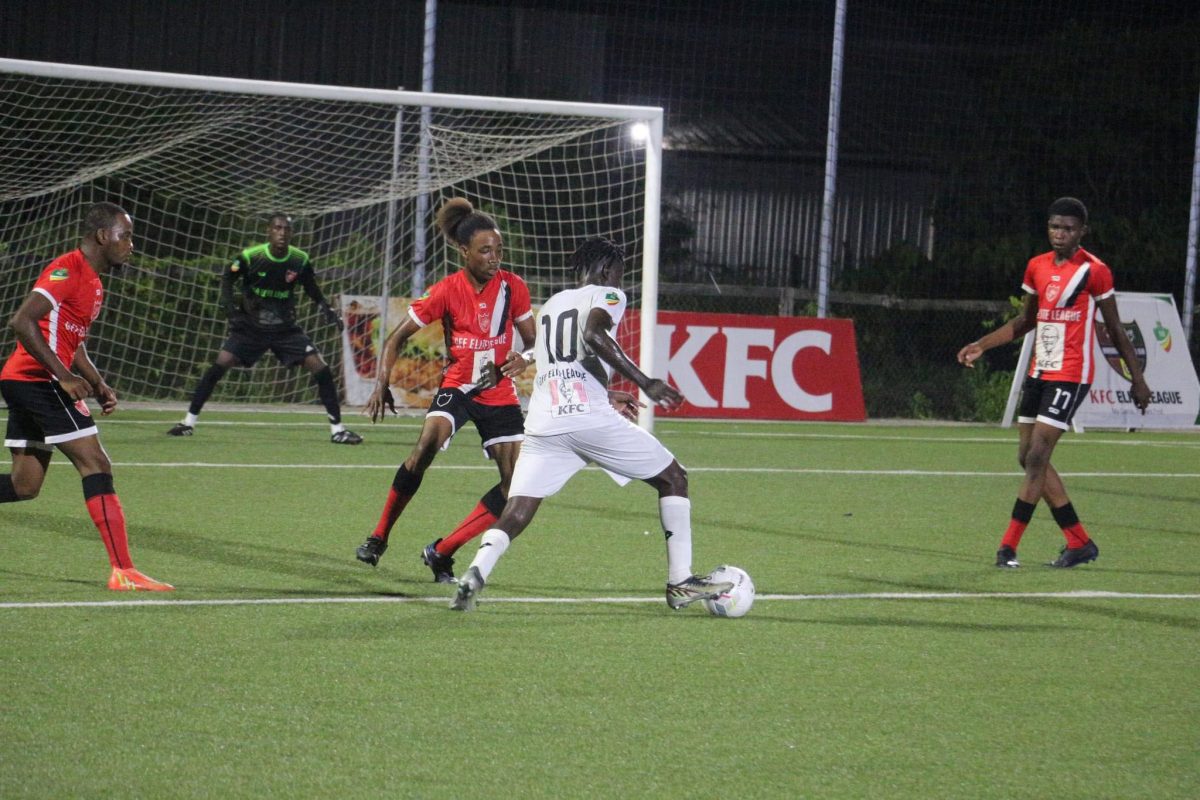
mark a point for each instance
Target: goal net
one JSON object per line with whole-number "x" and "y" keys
{"x": 200, "y": 164}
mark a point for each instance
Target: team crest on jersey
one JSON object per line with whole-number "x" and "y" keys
{"x": 1052, "y": 292}
{"x": 290, "y": 275}
{"x": 59, "y": 274}
{"x": 611, "y": 298}
{"x": 1113, "y": 357}
{"x": 484, "y": 317}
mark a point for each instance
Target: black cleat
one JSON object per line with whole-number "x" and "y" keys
{"x": 346, "y": 437}
{"x": 1072, "y": 556}
{"x": 1007, "y": 557}
{"x": 370, "y": 551}
{"x": 181, "y": 430}
{"x": 441, "y": 566}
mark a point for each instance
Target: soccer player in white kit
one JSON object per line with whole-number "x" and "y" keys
{"x": 571, "y": 423}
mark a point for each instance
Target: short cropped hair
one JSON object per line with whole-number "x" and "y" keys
{"x": 279, "y": 215}
{"x": 1068, "y": 207}
{"x": 594, "y": 253}
{"x": 101, "y": 217}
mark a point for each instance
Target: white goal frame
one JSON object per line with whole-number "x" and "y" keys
{"x": 651, "y": 117}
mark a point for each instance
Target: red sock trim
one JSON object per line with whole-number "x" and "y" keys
{"x": 1012, "y": 536}
{"x": 1076, "y": 536}
{"x": 109, "y": 519}
{"x": 391, "y": 512}
{"x": 475, "y": 523}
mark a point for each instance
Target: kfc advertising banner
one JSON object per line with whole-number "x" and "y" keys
{"x": 1152, "y": 324}
{"x": 731, "y": 366}
{"x": 737, "y": 366}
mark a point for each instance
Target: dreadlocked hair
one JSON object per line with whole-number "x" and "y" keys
{"x": 595, "y": 253}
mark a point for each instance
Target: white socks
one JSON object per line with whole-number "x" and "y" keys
{"x": 491, "y": 547}
{"x": 676, "y": 515}
{"x": 190, "y": 420}
{"x": 335, "y": 429}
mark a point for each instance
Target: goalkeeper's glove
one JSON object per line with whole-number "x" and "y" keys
{"x": 332, "y": 317}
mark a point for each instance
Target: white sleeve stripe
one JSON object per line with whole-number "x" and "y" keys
{"x": 413, "y": 316}
{"x": 47, "y": 295}
{"x": 1028, "y": 289}
{"x": 1109, "y": 293}
{"x": 526, "y": 315}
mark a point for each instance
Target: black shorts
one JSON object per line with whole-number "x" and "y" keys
{"x": 496, "y": 424}
{"x": 41, "y": 414}
{"x": 247, "y": 343}
{"x": 1051, "y": 402}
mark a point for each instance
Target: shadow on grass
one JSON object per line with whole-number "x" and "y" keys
{"x": 268, "y": 555}
{"x": 1123, "y": 613}
{"x": 797, "y": 533}
{"x": 1160, "y": 497}
{"x": 958, "y": 627}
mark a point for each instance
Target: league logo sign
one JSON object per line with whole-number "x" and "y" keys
{"x": 1109, "y": 350}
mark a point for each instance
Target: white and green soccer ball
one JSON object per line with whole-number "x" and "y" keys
{"x": 737, "y": 601}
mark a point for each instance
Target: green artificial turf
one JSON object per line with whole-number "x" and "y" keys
{"x": 885, "y": 657}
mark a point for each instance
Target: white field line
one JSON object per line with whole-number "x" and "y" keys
{"x": 415, "y": 423}
{"x": 296, "y": 601}
{"x": 731, "y": 470}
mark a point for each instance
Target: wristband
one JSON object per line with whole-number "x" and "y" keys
{"x": 528, "y": 354}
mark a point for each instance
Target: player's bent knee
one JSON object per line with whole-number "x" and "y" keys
{"x": 26, "y": 490}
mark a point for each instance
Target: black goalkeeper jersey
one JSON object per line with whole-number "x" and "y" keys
{"x": 268, "y": 296}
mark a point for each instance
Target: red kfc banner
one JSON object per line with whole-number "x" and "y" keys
{"x": 737, "y": 366}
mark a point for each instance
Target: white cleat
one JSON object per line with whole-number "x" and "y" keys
{"x": 469, "y": 587}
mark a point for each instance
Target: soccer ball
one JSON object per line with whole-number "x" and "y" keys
{"x": 737, "y": 601}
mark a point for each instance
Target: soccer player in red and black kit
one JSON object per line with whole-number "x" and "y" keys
{"x": 478, "y": 306}
{"x": 262, "y": 317}
{"x": 45, "y": 381}
{"x": 1062, "y": 289}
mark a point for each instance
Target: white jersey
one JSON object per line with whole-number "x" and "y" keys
{"x": 570, "y": 392}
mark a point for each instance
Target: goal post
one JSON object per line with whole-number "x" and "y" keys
{"x": 200, "y": 162}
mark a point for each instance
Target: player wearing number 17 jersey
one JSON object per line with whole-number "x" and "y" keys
{"x": 571, "y": 424}
{"x": 1062, "y": 290}
{"x": 479, "y": 308}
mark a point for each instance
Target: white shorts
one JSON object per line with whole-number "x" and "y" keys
{"x": 620, "y": 448}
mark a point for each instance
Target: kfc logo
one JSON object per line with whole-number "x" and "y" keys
{"x": 734, "y": 365}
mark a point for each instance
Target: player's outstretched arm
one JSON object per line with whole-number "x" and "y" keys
{"x": 381, "y": 396}
{"x": 1112, "y": 320}
{"x": 1014, "y": 329}
{"x": 596, "y": 335}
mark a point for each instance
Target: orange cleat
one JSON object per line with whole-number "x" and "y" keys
{"x": 130, "y": 580}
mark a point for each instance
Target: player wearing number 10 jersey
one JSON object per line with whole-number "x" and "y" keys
{"x": 571, "y": 424}
{"x": 1062, "y": 290}
{"x": 479, "y": 308}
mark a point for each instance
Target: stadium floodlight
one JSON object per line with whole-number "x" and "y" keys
{"x": 200, "y": 162}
